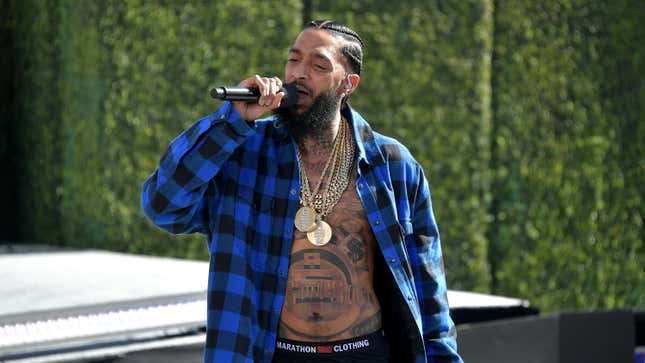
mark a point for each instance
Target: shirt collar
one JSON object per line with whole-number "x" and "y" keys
{"x": 368, "y": 150}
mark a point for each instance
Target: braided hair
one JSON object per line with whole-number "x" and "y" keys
{"x": 352, "y": 48}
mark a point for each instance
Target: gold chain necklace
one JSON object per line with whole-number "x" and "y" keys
{"x": 317, "y": 204}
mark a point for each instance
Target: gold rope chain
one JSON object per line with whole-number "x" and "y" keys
{"x": 341, "y": 161}
{"x": 306, "y": 193}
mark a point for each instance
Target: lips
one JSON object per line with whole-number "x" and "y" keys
{"x": 303, "y": 92}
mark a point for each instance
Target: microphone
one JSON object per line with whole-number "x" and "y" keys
{"x": 236, "y": 93}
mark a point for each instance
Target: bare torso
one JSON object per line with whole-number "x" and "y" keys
{"x": 330, "y": 293}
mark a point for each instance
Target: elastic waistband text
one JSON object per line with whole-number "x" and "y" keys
{"x": 323, "y": 349}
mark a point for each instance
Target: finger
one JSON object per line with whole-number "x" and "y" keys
{"x": 277, "y": 100}
{"x": 272, "y": 87}
{"x": 277, "y": 86}
{"x": 250, "y": 82}
{"x": 278, "y": 91}
{"x": 278, "y": 83}
{"x": 265, "y": 89}
{"x": 260, "y": 84}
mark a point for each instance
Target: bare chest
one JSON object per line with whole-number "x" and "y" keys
{"x": 330, "y": 291}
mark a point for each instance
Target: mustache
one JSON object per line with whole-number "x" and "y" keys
{"x": 299, "y": 85}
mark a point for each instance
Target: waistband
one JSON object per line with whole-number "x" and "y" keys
{"x": 362, "y": 343}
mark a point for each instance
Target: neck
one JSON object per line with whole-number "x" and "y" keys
{"x": 317, "y": 148}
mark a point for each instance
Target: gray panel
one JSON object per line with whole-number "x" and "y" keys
{"x": 594, "y": 337}
{"x": 527, "y": 340}
{"x": 597, "y": 337}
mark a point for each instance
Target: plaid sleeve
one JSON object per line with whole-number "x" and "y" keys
{"x": 439, "y": 333}
{"x": 172, "y": 197}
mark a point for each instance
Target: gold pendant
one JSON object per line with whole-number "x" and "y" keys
{"x": 306, "y": 219}
{"x": 321, "y": 235}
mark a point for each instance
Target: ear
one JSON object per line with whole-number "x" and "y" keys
{"x": 351, "y": 82}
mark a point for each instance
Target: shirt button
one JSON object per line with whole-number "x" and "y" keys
{"x": 360, "y": 186}
{"x": 377, "y": 222}
{"x": 293, "y": 192}
{"x": 409, "y": 297}
{"x": 392, "y": 260}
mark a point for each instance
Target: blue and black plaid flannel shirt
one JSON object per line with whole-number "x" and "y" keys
{"x": 237, "y": 183}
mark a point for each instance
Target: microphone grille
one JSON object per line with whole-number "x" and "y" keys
{"x": 290, "y": 95}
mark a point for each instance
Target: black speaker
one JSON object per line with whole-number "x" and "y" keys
{"x": 586, "y": 337}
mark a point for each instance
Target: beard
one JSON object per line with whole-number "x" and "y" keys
{"x": 311, "y": 122}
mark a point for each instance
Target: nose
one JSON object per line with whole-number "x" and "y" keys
{"x": 299, "y": 70}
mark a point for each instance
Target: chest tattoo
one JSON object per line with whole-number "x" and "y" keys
{"x": 330, "y": 291}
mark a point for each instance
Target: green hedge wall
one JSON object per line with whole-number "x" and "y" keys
{"x": 38, "y": 119}
{"x": 527, "y": 117}
{"x": 569, "y": 136}
{"x": 128, "y": 77}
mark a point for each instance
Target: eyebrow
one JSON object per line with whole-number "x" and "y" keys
{"x": 315, "y": 54}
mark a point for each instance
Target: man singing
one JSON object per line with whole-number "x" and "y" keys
{"x": 323, "y": 242}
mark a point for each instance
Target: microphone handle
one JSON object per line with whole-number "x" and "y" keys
{"x": 235, "y": 93}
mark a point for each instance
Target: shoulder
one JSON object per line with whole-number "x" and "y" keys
{"x": 393, "y": 150}
{"x": 378, "y": 147}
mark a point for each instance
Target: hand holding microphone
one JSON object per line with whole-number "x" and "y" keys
{"x": 257, "y": 95}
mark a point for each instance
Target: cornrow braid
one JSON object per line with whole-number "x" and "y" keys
{"x": 337, "y": 27}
